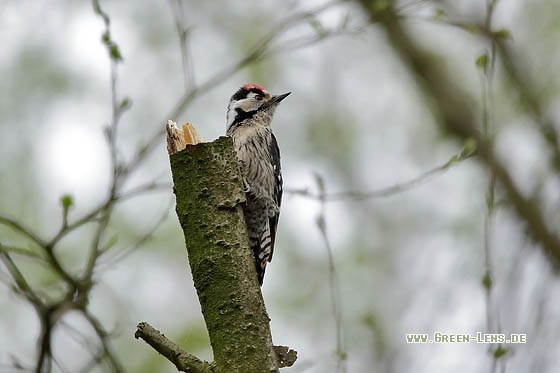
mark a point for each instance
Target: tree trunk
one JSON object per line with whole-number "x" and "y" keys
{"x": 209, "y": 191}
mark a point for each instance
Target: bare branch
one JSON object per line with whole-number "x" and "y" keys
{"x": 143, "y": 189}
{"x": 184, "y": 361}
{"x": 486, "y": 64}
{"x": 183, "y": 32}
{"x": 468, "y": 152}
{"x": 123, "y": 253}
{"x": 21, "y": 251}
{"x": 334, "y": 287}
{"x": 105, "y": 343}
{"x": 21, "y": 282}
{"x": 44, "y": 359}
{"x": 18, "y": 227}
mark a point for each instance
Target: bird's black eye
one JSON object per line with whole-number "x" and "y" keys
{"x": 258, "y": 97}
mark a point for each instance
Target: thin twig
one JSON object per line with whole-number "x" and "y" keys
{"x": 334, "y": 286}
{"x": 117, "y": 170}
{"x": 21, "y": 251}
{"x": 22, "y": 230}
{"x": 105, "y": 342}
{"x": 143, "y": 189}
{"x": 183, "y": 32}
{"x": 23, "y": 286}
{"x": 123, "y": 253}
{"x": 487, "y": 65}
{"x": 302, "y": 42}
{"x": 384, "y": 192}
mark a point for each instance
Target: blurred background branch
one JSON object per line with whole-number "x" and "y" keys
{"x": 466, "y": 153}
{"x": 334, "y": 285}
{"x": 456, "y": 117}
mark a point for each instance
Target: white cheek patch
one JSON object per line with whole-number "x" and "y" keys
{"x": 231, "y": 115}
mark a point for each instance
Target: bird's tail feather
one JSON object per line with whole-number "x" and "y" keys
{"x": 262, "y": 248}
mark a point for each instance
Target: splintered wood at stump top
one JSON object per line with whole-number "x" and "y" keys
{"x": 178, "y": 139}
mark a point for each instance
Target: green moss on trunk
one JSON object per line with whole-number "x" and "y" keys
{"x": 209, "y": 193}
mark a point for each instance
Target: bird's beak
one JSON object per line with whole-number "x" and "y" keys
{"x": 277, "y": 99}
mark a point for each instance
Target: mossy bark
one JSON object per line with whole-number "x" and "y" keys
{"x": 209, "y": 192}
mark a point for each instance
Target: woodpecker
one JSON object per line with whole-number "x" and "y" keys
{"x": 249, "y": 115}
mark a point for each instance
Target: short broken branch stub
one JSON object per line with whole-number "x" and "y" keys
{"x": 184, "y": 361}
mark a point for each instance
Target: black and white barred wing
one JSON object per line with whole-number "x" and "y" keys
{"x": 273, "y": 220}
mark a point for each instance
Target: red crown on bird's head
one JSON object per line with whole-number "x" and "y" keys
{"x": 252, "y": 86}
